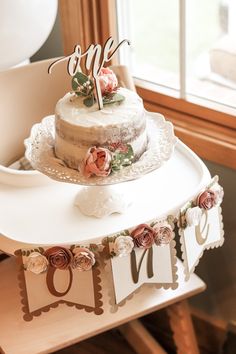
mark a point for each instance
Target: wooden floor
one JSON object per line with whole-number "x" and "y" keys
{"x": 110, "y": 342}
{"x": 210, "y": 338}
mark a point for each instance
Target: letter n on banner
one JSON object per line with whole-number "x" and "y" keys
{"x": 195, "y": 239}
{"x": 127, "y": 274}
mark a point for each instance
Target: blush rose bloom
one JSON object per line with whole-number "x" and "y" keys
{"x": 97, "y": 162}
{"x": 36, "y": 263}
{"x": 164, "y": 233}
{"x": 84, "y": 259}
{"x": 123, "y": 245}
{"x": 59, "y": 257}
{"x": 207, "y": 199}
{"x": 193, "y": 216}
{"x": 108, "y": 81}
{"x": 143, "y": 236}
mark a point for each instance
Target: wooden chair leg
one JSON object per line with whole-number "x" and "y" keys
{"x": 140, "y": 339}
{"x": 182, "y": 327}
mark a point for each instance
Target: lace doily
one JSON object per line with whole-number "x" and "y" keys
{"x": 40, "y": 153}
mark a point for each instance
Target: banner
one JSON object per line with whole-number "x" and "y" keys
{"x": 143, "y": 254}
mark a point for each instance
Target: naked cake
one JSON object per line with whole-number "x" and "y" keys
{"x": 98, "y": 142}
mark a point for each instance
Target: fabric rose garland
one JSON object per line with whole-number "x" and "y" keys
{"x": 80, "y": 258}
{"x": 206, "y": 200}
{"x": 143, "y": 236}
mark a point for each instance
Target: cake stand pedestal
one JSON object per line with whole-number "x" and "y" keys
{"x": 102, "y": 201}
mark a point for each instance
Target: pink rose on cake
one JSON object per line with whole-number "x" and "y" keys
{"x": 207, "y": 199}
{"x": 84, "y": 259}
{"x": 143, "y": 236}
{"x": 97, "y": 162}
{"x": 108, "y": 81}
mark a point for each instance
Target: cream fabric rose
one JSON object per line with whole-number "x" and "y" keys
{"x": 164, "y": 233}
{"x": 193, "y": 216}
{"x": 123, "y": 245}
{"x": 219, "y": 193}
{"x": 36, "y": 263}
{"x": 84, "y": 259}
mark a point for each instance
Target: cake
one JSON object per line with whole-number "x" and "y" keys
{"x": 82, "y": 130}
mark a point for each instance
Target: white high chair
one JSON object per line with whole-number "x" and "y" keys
{"x": 26, "y": 95}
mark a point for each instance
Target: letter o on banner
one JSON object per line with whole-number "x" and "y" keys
{"x": 50, "y": 282}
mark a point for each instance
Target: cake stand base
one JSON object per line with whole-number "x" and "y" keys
{"x": 101, "y": 201}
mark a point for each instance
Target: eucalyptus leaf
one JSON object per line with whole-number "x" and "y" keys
{"x": 78, "y": 80}
{"x": 113, "y": 98}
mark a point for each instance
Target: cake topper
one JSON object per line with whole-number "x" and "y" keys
{"x": 96, "y": 56}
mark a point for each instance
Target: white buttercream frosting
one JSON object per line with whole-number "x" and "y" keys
{"x": 72, "y": 110}
{"x": 79, "y": 127}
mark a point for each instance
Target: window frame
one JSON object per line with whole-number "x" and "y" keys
{"x": 207, "y": 130}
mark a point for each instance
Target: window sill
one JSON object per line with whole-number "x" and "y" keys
{"x": 207, "y": 131}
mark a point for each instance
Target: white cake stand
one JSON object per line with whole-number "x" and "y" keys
{"x": 100, "y": 198}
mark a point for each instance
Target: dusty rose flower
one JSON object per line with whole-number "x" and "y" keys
{"x": 123, "y": 245}
{"x": 207, "y": 199}
{"x": 59, "y": 257}
{"x": 97, "y": 162}
{"x": 84, "y": 259}
{"x": 193, "y": 216}
{"x": 143, "y": 236}
{"x": 108, "y": 81}
{"x": 164, "y": 233}
{"x": 36, "y": 263}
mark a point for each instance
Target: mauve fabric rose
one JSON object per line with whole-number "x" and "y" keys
{"x": 108, "y": 81}
{"x": 207, "y": 199}
{"x": 59, "y": 257}
{"x": 143, "y": 236}
{"x": 164, "y": 233}
{"x": 36, "y": 263}
{"x": 97, "y": 162}
{"x": 84, "y": 259}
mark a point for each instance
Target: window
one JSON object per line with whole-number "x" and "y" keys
{"x": 186, "y": 46}
{"x": 178, "y": 58}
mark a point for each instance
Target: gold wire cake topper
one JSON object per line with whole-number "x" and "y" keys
{"x": 95, "y": 56}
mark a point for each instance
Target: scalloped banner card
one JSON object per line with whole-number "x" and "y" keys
{"x": 155, "y": 266}
{"x": 55, "y": 286}
{"x": 207, "y": 233}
